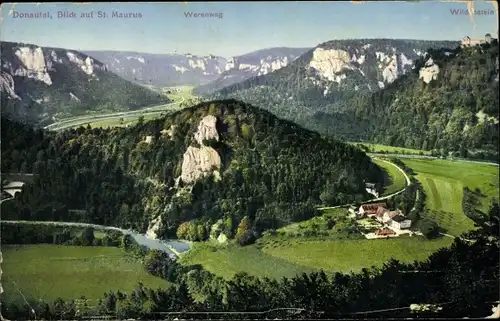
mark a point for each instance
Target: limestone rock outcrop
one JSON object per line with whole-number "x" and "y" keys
{"x": 429, "y": 72}
{"x": 207, "y": 129}
{"x": 199, "y": 162}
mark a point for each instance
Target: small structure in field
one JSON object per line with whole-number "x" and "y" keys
{"x": 372, "y": 189}
{"x": 385, "y": 232}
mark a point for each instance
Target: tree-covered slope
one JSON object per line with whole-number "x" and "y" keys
{"x": 38, "y": 83}
{"x": 457, "y": 109}
{"x": 332, "y": 73}
{"x": 168, "y": 171}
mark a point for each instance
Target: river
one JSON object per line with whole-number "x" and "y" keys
{"x": 173, "y": 247}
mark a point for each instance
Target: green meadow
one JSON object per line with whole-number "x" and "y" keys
{"x": 47, "y": 272}
{"x": 394, "y": 180}
{"x": 279, "y": 257}
{"x": 443, "y": 182}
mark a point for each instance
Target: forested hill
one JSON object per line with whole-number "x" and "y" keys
{"x": 38, "y": 83}
{"x": 331, "y": 73}
{"x": 449, "y": 102}
{"x": 219, "y": 159}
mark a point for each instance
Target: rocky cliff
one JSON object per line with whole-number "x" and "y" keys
{"x": 209, "y": 72}
{"x": 253, "y": 64}
{"x": 39, "y": 83}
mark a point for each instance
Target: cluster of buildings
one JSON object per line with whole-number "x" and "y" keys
{"x": 394, "y": 219}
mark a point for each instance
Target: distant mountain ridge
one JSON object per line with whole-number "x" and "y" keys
{"x": 164, "y": 70}
{"x": 38, "y": 83}
{"x": 332, "y": 72}
{"x": 256, "y": 63}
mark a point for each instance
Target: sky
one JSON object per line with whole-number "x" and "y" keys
{"x": 243, "y": 27}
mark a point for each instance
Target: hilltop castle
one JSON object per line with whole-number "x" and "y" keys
{"x": 468, "y": 42}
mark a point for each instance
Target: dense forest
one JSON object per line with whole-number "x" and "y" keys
{"x": 272, "y": 171}
{"x": 77, "y": 85}
{"x": 457, "y": 111}
{"x": 455, "y": 282}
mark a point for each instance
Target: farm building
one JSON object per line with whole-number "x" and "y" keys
{"x": 395, "y": 219}
{"x": 371, "y": 209}
{"x": 400, "y": 222}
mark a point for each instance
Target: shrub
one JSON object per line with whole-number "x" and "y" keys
{"x": 429, "y": 228}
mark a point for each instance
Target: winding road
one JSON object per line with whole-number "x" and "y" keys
{"x": 173, "y": 247}
{"x": 408, "y": 182}
{"x": 72, "y": 122}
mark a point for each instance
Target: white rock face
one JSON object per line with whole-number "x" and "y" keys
{"x": 230, "y": 63}
{"x": 73, "y": 97}
{"x": 181, "y": 69}
{"x": 198, "y": 63}
{"x": 405, "y": 61}
{"x": 391, "y": 72}
{"x": 329, "y": 62}
{"x": 429, "y": 73}
{"x": 258, "y": 68}
{"x": 206, "y": 129}
{"x": 55, "y": 58}
{"x": 87, "y": 66}
{"x": 34, "y": 64}
{"x": 7, "y": 85}
{"x": 153, "y": 228}
{"x": 199, "y": 162}
{"x": 267, "y": 66}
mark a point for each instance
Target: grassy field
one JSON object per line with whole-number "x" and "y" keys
{"x": 284, "y": 256}
{"x": 394, "y": 181}
{"x": 353, "y": 255}
{"x": 52, "y": 271}
{"x": 227, "y": 260}
{"x": 177, "y": 94}
{"x": 377, "y": 148}
{"x": 443, "y": 183}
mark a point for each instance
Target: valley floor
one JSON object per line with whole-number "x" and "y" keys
{"x": 285, "y": 257}
{"x": 48, "y": 272}
{"x": 55, "y": 271}
{"x": 442, "y": 180}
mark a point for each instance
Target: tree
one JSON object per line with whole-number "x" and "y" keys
{"x": 201, "y": 232}
{"x": 244, "y": 233}
{"x": 429, "y": 228}
{"x": 88, "y": 236}
{"x": 228, "y": 227}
